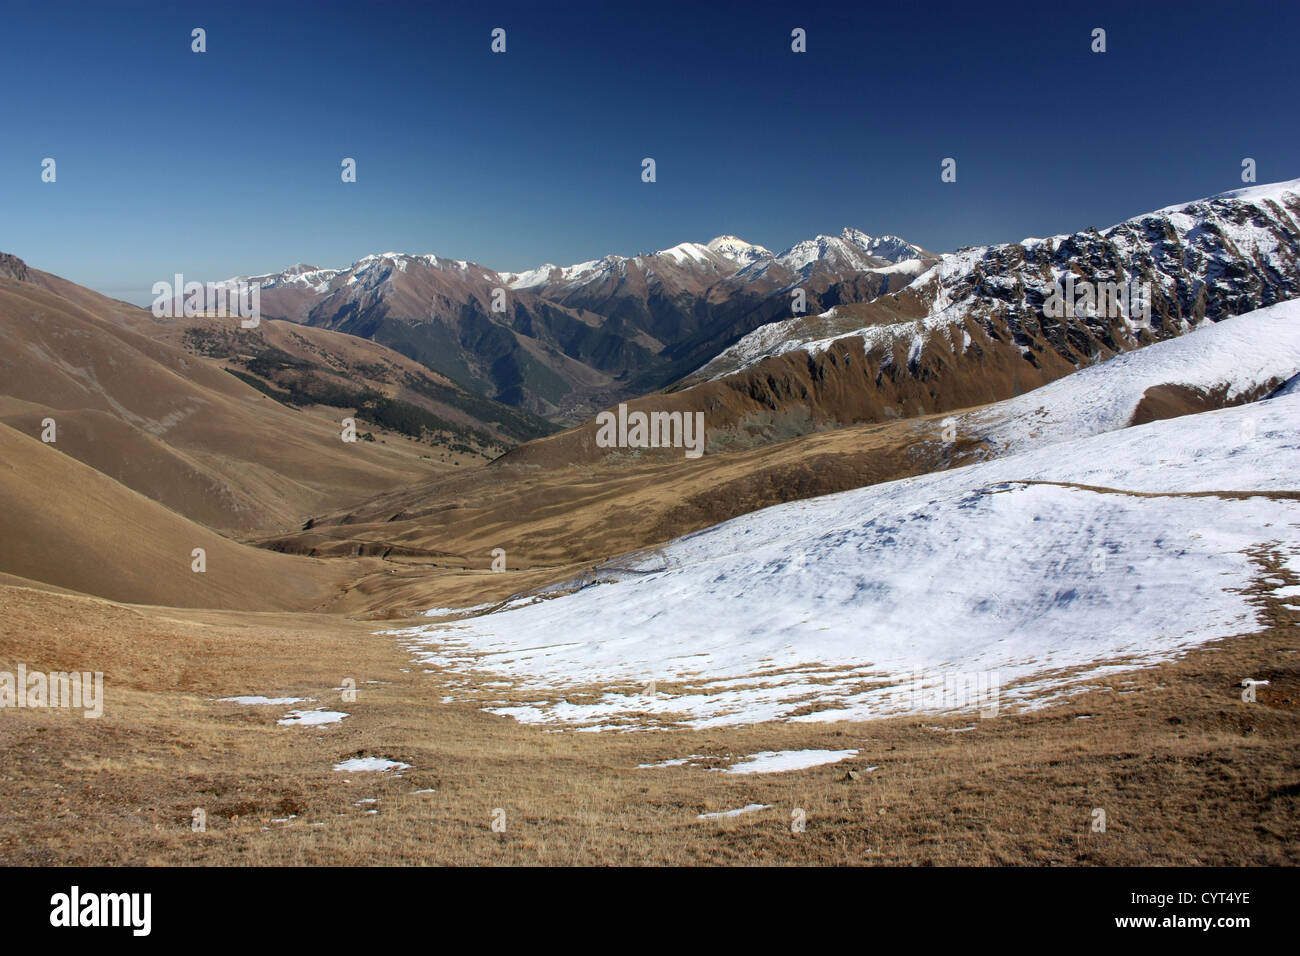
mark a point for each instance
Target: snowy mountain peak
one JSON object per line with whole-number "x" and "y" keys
{"x": 892, "y": 248}
{"x": 853, "y": 250}
{"x": 833, "y": 251}
{"x": 738, "y": 250}
{"x": 857, "y": 237}
{"x": 688, "y": 252}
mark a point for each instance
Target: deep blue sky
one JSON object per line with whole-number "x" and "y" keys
{"x": 228, "y": 162}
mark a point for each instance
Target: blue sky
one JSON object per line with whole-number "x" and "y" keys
{"x": 227, "y": 162}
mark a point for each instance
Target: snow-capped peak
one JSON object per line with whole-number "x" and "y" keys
{"x": 857, "y": 237}
{"x": 834, "y": 251}
{"x": 532, "y": 277}
{"x": 298, "y": 268}
{"x": 738, "y": 250}
{"x": 882, "y": 247}
{"x": 723, "y": 255}
{"x": 688, "y": 252}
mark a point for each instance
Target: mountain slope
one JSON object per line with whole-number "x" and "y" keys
{"x": 305, "y": 366}
{"x": 174, "y": 426}
{"x": 65, "y": 524}
{"x": 1203, "y": 260}
{"x": 549, "y": 511}
{"x": 982, "y": 587}
{"x": 1232, "y": 362}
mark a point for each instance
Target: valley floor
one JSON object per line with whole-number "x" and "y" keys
{"x": 1184, "y": 769}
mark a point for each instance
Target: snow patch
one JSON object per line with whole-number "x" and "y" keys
{"x": 311, "y": 718}
{"x": 721, "y": 814}
{"x": 370, "y": 765}
{"x": 780, "y": 761}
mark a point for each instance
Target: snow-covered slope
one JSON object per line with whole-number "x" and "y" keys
{"x": 863, "y": 603}
{"x": 1240, "y": 357}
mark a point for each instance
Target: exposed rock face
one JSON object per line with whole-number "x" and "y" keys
{"x": 11, "y": 267}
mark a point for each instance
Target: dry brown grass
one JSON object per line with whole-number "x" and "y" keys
{"x": 1186, "y": 771}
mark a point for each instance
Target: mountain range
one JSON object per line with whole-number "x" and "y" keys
{"x": 978, "y": 325}
{"x": 889, "y": 329}
{"x": 570, "y": 340}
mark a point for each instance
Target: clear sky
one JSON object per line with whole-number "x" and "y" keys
{"x": 228, "y": 162}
